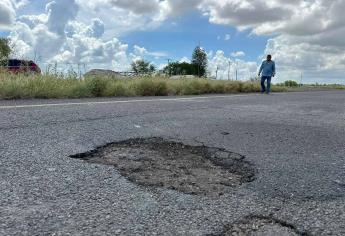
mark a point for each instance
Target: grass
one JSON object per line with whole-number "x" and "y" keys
{"x": 330, "y": 86}
{"x": 55, "y": 86}
{"x": 315, "y": 87}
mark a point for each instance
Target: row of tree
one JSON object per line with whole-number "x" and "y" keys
{"x": 142, "y": 67}
{"x": 197, "y": 67}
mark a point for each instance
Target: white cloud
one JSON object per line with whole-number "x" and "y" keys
{"x": 177, "y": 7}
{"x": 59, "y": 14}
{"x": 7, "y": 14}
{"x": 238, "y": 54}
{"x": 138, "y": 7}
{"x": 227, "y": 67}
{"x": 63, "y": 40}
{"x": 21, "y": 3}
{"x": 318, "y": 63}
{"x": 33, "y": 20}
{"x": 123, "y": 16}
{"x": 143, "y": 52}
{"x": 36, "y": 41}
{"x": 227, "y": 37}
{"x": 184, "y": 59}
{"x": 96, "y": 29}
{"x": 306, "y": 36}
{"x": 246, "y": 13}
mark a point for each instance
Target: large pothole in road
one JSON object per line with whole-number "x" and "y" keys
{"x": 188, "y": 169}
{"x": 261, "y": 226}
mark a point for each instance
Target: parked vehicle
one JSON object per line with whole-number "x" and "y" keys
{"x": 20, "y": 66}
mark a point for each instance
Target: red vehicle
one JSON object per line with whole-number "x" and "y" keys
{"x": 20, "y": 66}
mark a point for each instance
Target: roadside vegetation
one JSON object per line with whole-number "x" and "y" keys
{"x": 293, "y": 86}
{"x": 20, "y": 86}
{"x": 289, "y": 83}
{"x": 14, "y": 86}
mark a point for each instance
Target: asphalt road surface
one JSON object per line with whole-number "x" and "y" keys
{"x": 296, "y": 141}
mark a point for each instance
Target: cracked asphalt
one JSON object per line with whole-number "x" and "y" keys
{"x": 294, "y": 140}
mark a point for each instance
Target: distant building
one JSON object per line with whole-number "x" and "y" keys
{"x": 183, "y": 77}
{"x": 103, "y": 73}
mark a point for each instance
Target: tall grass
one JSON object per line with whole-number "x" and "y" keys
{"x": 54, "y": 86}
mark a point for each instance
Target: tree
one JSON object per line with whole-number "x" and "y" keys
{"x": 5, "y": 48}
{"x": 152, "y": 68}
{"x": 199, "y": 60}
{"x": 143, "y": 67}
{"x": 183, "y": 68}
{"x": 291, "y": 83}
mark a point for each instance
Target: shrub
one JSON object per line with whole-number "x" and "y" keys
{"x": 233, "y": 86}
{"x": 250, "y": 87}
{"x": 151, "y": 87}
{"x": 192, "y": 87}
{"x": 278, "y": 89}
{"x": 115, "y": 89}
{"x": 290, "y": 83}
{"x": 97, "y": 85}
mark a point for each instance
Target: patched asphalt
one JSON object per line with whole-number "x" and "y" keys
{"x": 295, "y": 141}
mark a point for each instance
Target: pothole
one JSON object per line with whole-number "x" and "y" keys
{"x": 261, "y": 226}
{"x": 170, "y": 165}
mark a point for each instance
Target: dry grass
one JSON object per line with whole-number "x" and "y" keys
{"x": 54, "y": 86}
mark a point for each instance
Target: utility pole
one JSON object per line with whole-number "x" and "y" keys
{"x": 169, "y": 66}
{"x": 217, "y": 72}
{"x": 84, "y": 68}
{"x": 79, "y": 72}
{"x": 229, "y": 69}
{"x": 301, "y": 79}
{"x": 199, "y": 61}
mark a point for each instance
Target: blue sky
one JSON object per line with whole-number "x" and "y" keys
{"x": 3, "y": 33}
{"x": 304, "y": 37}
{"x": 179, "y": 36}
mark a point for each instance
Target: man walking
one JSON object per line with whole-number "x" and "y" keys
{"x": 267, "y": 71}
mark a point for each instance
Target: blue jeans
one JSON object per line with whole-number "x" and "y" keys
{"x": 263, "y": 87}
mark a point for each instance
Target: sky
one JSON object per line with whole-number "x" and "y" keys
{"x": 305, "y": 37}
